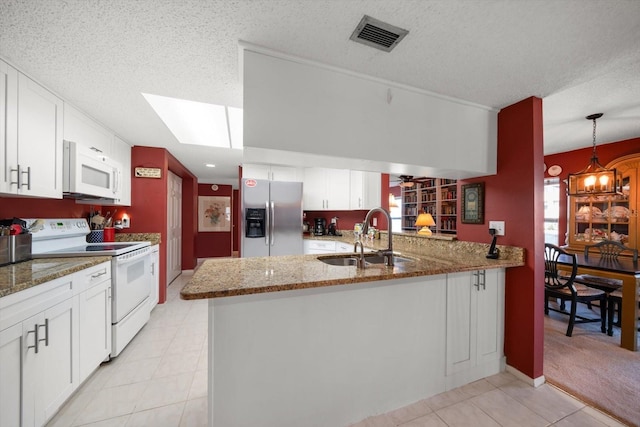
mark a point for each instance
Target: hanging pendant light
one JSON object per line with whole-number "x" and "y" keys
{"x": 594, "y": 179}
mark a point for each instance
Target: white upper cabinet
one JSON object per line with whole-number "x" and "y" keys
{"x": 31, "y": 129}
{"x": 272, "y": 173}
{"x": 326, "y": 189}
{"x": 83, "y": 130}
{"x": 365, "y": 190}
{"x": 8, "y": 124}
{"x": 121, "y": 152}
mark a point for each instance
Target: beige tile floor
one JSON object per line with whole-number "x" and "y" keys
{"x": 159, "y": 380}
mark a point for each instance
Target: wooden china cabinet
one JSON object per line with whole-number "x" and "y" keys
{"x": 608, "y": 217}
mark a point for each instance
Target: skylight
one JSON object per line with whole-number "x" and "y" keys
{"x": 199, "y": 123}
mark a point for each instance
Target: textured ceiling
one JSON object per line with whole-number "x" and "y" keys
{"x": 580, "y": 56}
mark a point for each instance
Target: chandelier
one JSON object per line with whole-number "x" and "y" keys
{"x": 594, "y": 179}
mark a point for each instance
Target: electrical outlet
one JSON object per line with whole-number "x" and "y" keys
{"x": 126, "y": 223}
{"x": 375, "y": 222}
{"x": 498, "y": 226}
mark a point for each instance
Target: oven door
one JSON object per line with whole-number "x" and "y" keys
{"x": 132, "y": 281}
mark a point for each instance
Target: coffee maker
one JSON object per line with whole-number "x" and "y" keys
{"x": 320, "y": 227}
{"x": 333, "y": 227}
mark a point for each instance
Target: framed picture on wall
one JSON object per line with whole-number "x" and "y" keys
{"x": 473, "y": 203}
{"x": 214, "y": 213}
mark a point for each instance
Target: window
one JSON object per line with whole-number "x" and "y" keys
{"x": 551, "y": 210}
{"x": 396, "y": 216}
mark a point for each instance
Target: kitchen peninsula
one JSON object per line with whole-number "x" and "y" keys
{"x": 294, "y": 341}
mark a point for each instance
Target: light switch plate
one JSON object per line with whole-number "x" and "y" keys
{"x": 498, "y": 226}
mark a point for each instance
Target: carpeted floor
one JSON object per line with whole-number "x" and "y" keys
{"x": 592, "y": 366}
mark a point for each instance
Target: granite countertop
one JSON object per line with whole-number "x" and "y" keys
{"x": 24, "y": 275}
{"x": 154, "y": 238}
{"x": 226, "y": 277}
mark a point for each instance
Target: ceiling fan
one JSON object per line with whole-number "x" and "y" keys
{"x": 407, "y": 180}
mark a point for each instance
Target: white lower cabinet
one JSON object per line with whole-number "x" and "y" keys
{"x": 319, "y": 246}
{"x": 475, "y": 325}
{"x": 10, "y": 371}
{"x": 155, "y": 271}
{"x": 55, "y": 362}
{"x": 95, "y": 320}
{"x": 47, "y": 333}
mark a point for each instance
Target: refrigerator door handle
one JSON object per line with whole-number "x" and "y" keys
{"x": 273, "y": 222}
{"x": 268, "y": 224}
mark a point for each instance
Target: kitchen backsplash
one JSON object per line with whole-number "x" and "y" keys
{"x": 42, "y": 208}
{"x": 346, "y": 219}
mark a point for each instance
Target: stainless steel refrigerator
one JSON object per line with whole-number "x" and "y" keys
{"x": 271, "y": 218}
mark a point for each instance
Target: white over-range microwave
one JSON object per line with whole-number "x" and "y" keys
{"x": 88, "y": 173}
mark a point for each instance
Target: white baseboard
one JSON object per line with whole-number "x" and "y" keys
{"x": 535, "y": 382}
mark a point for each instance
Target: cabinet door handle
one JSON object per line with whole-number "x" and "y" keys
{"x": 482, "y": 274}
{"x": 46, "y": 333}
{"x": 35, "y": 342}
{"x": 95, "y": 276}
{"x": 114, "y": 171}
{"x": 97, "y": 150}
{"x": 28, "y": 184}
{"x": 17, "y": 170}
{"x": 476, "y": 280}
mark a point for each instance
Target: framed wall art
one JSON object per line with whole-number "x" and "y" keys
{"x": 473, "y": 203}
{"x": 214, "y": 213}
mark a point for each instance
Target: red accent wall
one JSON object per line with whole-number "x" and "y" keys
{"x": 515, "y": 195}
{"x": 576, "y": 160}
{"x": 214, "y": 244}
{"x": 44, "y": 208}
{"x": 148, "y": 211}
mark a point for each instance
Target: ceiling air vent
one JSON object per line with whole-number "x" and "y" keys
{"x": 377, "y": 34}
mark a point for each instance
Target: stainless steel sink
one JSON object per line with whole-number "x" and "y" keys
{"x": 369, "y": 259}
{"x": 379, "y": 259}
{"x": 344, "y": 261}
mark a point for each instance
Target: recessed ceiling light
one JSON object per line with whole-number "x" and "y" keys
{"x": 199, "y": 123}
{"x": 209, "y": 165}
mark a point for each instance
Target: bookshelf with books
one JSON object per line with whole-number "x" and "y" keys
{"x": 437, "y": 196}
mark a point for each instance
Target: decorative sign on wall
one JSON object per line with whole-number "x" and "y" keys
{"x": 214, "y": 213}
{"x": 148, "y": 173}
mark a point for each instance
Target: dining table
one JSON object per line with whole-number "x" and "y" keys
{"x": 620, "y": 268}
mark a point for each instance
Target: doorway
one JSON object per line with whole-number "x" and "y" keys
{"x": 174, "y": 226}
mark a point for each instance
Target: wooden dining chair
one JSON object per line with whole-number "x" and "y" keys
{"x": 614, "y": 311}
{"x": 609, "y": 250}
{"x": 564, "y": 288}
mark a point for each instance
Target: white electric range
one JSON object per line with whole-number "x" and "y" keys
{"x": 131, "y": 274}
